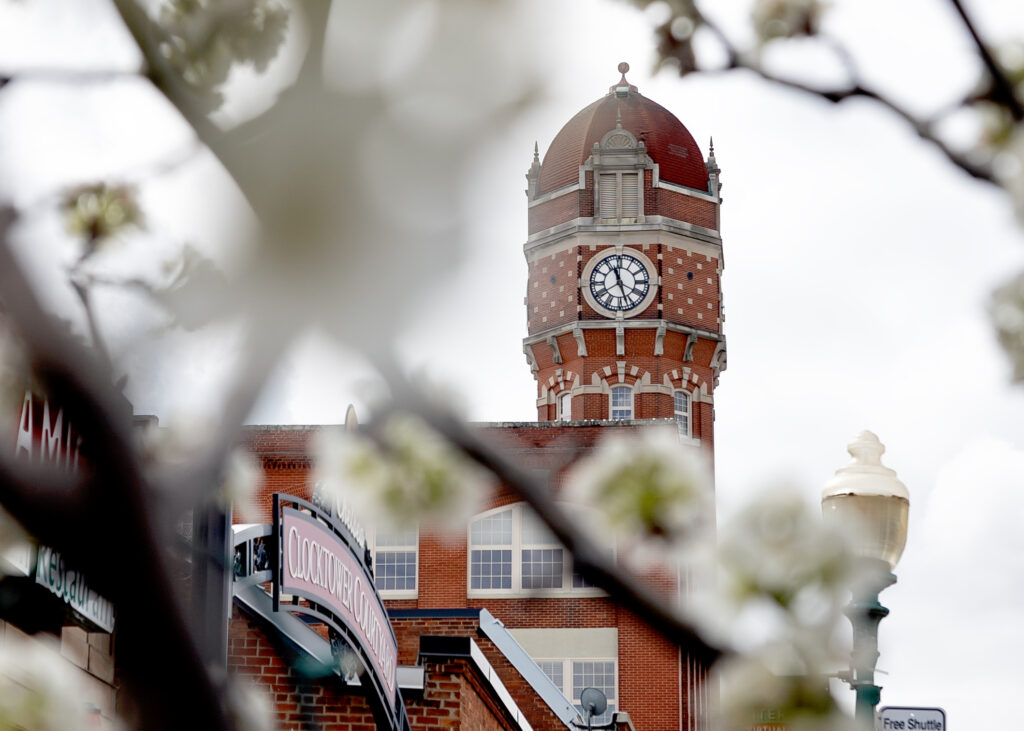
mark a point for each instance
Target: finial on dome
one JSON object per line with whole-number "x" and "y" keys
{"x": 536, "y": 152}
{"x": 623, "y": 87}
{"x": 713, "y": 168}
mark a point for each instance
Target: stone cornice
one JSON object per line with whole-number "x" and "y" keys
{"x": 570, "y": 327}
{"x": 660, "y": 224}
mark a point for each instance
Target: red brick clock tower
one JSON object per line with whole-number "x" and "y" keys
{"x": 624, "y": 305}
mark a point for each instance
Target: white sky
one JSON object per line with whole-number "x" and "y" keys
{"x": 858, "y": 267}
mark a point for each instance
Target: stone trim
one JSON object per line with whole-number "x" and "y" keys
{"x": 580, "y": 326}
{"x": 663, "y": 224}
{"x": 550, "y": 196}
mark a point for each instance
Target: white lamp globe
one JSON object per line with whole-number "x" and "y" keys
{"x": 866, "y": 497}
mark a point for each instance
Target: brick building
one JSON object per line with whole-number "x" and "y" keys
{"x": 624, "y": 327}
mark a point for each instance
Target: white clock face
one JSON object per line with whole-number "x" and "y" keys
{"x": 620, "y": 282}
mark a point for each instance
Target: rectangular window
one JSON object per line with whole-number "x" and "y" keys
{"x": 630, "y": 195}
{"x": 553, "y": 669}
{"x": 573, "y": 675}
{"x": 542, "y": 568}
{"x": 512, "y": 550}
{"x": 618, "y": 196}
{"x": 594, "y": 674}
{"x": 490, "y": 564}
{"x": 543, "y": 557}
{"x": 394, "y": 560}
{"x": 491, "y": 569}
{"x": 607, "y": 196}
{"x": 622, "y": 403}
{"x": 682, "y": 412}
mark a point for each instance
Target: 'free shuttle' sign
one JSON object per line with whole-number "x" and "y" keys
{"x": 897, "y": 718}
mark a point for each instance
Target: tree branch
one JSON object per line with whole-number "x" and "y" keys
{"x": 1002, "y": 89}
{"x": 146, "y": 36}
{"x": 923, "y": 128}
{"x": 116, "y": 536}
{"x": 588, "y": 559}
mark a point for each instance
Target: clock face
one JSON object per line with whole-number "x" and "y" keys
{"x": 620, "y": 282}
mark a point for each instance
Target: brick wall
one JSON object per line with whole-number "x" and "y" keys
{"x": 454, "y": 694}
{"x": 648, "y": 666}
{"x": 657, "y": 202}
{"x": 552, "y": 293}
{"x": 682, "y": 207}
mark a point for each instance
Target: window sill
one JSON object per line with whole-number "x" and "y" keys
{"x": 535, "y": 594}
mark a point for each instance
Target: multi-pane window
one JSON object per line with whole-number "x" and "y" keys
{"x": 618, "y": 195}
{"x": 490, "y": 540}
{"x": 582, "y": 674}
{"x": 682, "y": 412}
{"x": 598, "y": 674}
{"x": 394, "y": 560}
{"x": 510, "y": 549}
{"x": 554, "y": 670}
{"x": 622, "y": 403}
{"x": 543, "y": 557}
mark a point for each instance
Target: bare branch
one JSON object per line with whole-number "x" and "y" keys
{"x": 925, "y": 129}
{"x": 69, "y": 76}
{"x": 1002, "y": 90}
{"x": 98, "y": 343}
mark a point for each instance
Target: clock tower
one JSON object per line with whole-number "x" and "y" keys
{"x": 624, "y": 304}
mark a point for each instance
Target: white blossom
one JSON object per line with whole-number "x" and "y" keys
{"x": 204, "y": 39}
{"x": 40, "y": 690}
{"x": 778, "y": 547}
{"x": 1008, "y": 165}
{"x": 750, "y": 687}
{"x": 358, "y": 183}
{"x": 649, "y": 490}
{"x": 1007, "y": 312}
{"x": 243, "y": 477}
{"x": 411, "y": 475}
{"x": 786, "y": 18}
{"x": 178, "y": 439}
{"x": 98, "y": 211}
{"x": 249, "y": 707}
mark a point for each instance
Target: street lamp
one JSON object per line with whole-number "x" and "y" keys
{"x": 866, "y": 496}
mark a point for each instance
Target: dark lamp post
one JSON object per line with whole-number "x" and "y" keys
{"x": 866, "y": 499}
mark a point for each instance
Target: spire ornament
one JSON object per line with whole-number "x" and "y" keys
{"x": 623, "y": 88}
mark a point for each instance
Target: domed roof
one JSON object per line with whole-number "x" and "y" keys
{"x": 668, "y": 142}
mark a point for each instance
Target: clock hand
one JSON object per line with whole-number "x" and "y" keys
{"x": 618, "y": 281}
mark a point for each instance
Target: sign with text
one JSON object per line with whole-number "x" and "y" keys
{"x": 71, "y": 587}
{"x": 45, "y": 437}
{"x": 902, "y": 718}
{"x": 318, "y": 565}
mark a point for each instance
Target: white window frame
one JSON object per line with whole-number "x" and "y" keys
{"x": 611, "y": 403}
{"x": 565, "y": 406}
{"x": 518, "y": 512}
{"x": 371, "y": 544}
{"x": 568, "y": 687}
{"x": 687, "y": 414}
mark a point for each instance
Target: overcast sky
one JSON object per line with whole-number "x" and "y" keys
{"x": 858, "y": 265}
